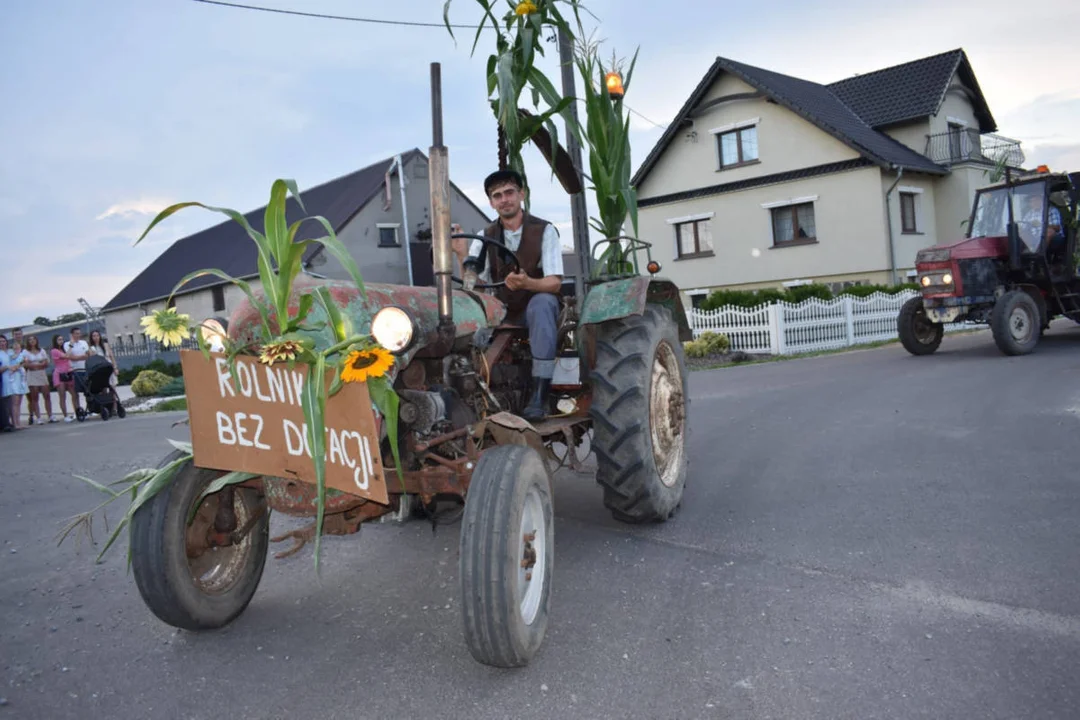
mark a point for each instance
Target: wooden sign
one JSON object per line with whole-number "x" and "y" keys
{"x": 256, "y": 424}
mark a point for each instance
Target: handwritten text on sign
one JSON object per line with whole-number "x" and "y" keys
{"x": 256, "y": 424}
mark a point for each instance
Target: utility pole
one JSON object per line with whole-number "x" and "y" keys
{"x": 579, "y": 211}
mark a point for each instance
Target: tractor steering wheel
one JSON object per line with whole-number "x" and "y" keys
{"x": 499, "y": 247}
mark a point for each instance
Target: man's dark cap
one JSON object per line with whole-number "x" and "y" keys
{"x": 500, "y": 177}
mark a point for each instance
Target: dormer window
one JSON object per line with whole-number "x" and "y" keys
{"x": 736, "y": 144}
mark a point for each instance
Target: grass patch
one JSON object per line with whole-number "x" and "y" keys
{"x": 171, "y": 405}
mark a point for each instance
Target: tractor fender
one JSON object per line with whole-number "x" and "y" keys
{"x": 622, "y": 298}
{"x": 1040, "y": 302}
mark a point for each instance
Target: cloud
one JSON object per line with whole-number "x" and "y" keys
{"x": 134, "y": 208}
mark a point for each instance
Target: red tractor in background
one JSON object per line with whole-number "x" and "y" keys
{"x": 1016, "y": 269}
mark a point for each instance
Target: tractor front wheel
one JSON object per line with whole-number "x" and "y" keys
{"x": 639, "y": 413}
{"x": 1016, "y": 322}
{"x": 507, "y": 553}
{"x": 186, "y": 578}
{"x": 918, "y": 334}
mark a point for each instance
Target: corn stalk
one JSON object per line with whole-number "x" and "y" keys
{"x": 511, "y": 69}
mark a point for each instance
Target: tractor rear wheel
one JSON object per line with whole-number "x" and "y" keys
{"x": 507, "y": 552}
{"x": 185, "y": 579}
{"x": 1015, "y": 322}
{"x": 639, "y": 413}
{"x": 918, "y": 334}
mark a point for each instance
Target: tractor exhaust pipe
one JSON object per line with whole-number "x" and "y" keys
{"x": 439, "y": 172}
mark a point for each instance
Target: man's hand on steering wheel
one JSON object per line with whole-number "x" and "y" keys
{"x": 470, "y": 271}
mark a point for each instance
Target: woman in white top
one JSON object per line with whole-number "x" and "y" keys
{"x": 37, "y": 378}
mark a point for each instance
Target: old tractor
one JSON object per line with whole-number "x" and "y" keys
{"x": 462, "y": 376}
{"x": 1016, "y": 269}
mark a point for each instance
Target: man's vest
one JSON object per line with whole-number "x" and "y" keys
{"x": 529, "y": 252}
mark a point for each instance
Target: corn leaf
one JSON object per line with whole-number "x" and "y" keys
{"x": 275, "y": 226}
{"x": 184, "y": 447}
{"x": 333, "y": 314}
{"x": 141, "y": 492}
{"x": 384, "y": 397}
{"x": 314, "y": 403}
{"x": 98, "y": 486}
{"x": 217, "y": 485}
{"x": 244, "y": 286}
{"x": 336, "y": 248}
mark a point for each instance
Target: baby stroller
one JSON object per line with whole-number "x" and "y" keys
{"x": 99, "y": 394}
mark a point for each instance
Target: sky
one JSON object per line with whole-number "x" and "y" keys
{"x": 114, "y": 109}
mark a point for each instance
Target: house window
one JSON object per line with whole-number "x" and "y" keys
{"x": 387, "y": 235}
{"x": 693, "y": 239}
{"x": 217, "y": 295}
{"x": 908, "y": 222}
{"x": 171, "y": 303}
{"x": 793, "y": 224}
{"x": 738, "y": 147}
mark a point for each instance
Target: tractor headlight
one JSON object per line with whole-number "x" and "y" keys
{"x": 214, "y": 331}
{"x": 936, "y": 279}
{"x": 394, "y": 329}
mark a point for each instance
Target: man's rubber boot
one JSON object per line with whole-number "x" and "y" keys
{"x": 538, "y": 406}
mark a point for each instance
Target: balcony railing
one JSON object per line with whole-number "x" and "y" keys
{"x": 967, "y": 145}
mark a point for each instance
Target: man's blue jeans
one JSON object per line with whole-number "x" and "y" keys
{"x": 542, "y": 319}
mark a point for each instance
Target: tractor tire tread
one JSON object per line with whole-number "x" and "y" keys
{"x": 487, "y": 590}
{"x": 622, "y": 441}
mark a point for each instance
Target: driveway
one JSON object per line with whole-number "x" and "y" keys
{"x": 864, "y": 535}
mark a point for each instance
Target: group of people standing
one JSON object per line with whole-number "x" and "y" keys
{"x": 24, "y": 374}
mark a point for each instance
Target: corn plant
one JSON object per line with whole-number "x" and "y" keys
{"x": 511, "y": 69}
{"x": 283, "y": 336}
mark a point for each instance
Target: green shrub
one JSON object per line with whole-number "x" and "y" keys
{"x": 706, "y": 344}
{"x": 149, "y": 382}
{"x": 126, "y": 377}
{"x": 741, "y": 298}
{"x": 172, "y": 388}
{"x": 868, "y": 290}
{"x": 794, "y": 295}
{"x": 799, "y": 293}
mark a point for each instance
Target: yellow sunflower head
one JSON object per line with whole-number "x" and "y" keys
{"x": 525, "y": 7}
{"x": 166, "y": 326}
{"x": 280, "y": 351}
{"x": 361, "y": 365}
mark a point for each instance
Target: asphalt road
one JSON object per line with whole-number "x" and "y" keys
{"x": 864, "y": 535}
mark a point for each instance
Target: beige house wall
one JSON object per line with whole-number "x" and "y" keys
{"x": 956, "y": 193}
{"x": 911, "y": 134}
{"x": 849, "y": 217}
{"x": 785, "y": 142}
{"x": 906, "y": 245}
{"x": 124, "y": 324}
{"x": 956, "y": 105}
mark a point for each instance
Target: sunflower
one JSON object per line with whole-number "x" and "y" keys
{"x": 363, "y": 365}
{"x": 525, "y": 7}
{"x": 166, "y": 326}
{"x": 280, "y": 351}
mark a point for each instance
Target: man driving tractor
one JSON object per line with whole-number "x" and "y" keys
{"x": 532, "y": 290}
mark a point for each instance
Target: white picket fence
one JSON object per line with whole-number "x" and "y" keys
{"x": 785, "y": 329}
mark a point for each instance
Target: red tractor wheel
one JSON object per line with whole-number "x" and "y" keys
{"x": 918, "y": 334}
{"x": 1016, "y": 323}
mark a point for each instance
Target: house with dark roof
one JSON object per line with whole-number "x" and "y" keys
{"x": 389, "y": 239}
{"x": 765, "y": 179}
